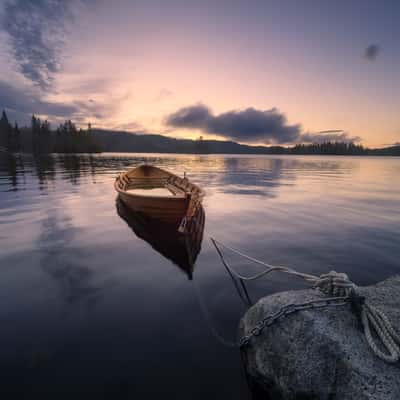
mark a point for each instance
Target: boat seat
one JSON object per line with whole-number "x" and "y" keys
{"x": 155, "y": 192}
{"x": 175, "y": 189}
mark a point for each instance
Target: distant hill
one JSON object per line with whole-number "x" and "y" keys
{"x": 386, "y": 151}
{"x": 120, "y": 141}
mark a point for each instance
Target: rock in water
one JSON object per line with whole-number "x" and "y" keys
{"x": 320, "y": 353}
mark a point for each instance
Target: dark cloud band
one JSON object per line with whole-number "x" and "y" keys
{"x": 250, "y": 125}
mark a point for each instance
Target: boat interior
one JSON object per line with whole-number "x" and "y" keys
{"x": 156, "y": 184}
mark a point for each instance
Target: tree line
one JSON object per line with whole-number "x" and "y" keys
{"x": 40, "y": 138}
{"x": 333, "y": 148}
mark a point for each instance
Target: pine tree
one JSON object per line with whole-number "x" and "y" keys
{"x": 35, "y": 134}
{"x": 5, "y": 132}
{"x": 16, "y": 138}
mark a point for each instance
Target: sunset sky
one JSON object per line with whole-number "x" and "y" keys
{"x": 258, "y": 72}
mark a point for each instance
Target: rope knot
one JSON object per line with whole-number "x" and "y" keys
{"x": 336, "y": 284}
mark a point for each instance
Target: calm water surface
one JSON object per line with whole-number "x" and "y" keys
{"x": 88, "y": 308}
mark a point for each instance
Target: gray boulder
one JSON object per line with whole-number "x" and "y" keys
{"x": 320, "y": 353}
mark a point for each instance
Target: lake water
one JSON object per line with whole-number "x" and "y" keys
{"x": 89, "y": 308}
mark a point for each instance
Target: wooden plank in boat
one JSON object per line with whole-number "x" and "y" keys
{"x": 152, "y": 192}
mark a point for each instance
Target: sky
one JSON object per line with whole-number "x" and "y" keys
{"x": 255, "y": 71}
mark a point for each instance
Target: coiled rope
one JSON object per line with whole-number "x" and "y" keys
{"x": 338, "y": 286}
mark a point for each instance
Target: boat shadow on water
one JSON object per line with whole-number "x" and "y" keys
{"x": 181, "y": 249}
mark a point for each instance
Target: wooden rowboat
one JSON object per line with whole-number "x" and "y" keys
{"x": 159, "y": 194}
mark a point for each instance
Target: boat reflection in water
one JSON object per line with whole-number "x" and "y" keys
{"x": 181, "y": 249}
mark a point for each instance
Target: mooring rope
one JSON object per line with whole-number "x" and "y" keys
{"x": 209, "y": 321}
{"x": 340, "y": 290}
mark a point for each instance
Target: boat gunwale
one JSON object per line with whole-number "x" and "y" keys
{"x": 186, "y": 195}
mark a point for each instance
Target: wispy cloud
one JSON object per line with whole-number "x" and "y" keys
{"x": 163, "y": 94}
{"x": 332, "y": 135}
{"x": 36, "y": 32}
{"x": 23, "y": 102}
{"x": 132, "y": 126}
{"x": 250, "y": 125}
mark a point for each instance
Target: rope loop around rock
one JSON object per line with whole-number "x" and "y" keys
{"x": 337, "y": 285}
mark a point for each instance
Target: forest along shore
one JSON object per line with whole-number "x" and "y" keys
{"x": 68, "y": 138}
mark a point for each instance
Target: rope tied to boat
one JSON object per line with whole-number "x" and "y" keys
{"x": 339, "y": 290}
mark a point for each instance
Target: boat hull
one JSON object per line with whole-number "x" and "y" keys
{"x": 168, "y": 210}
